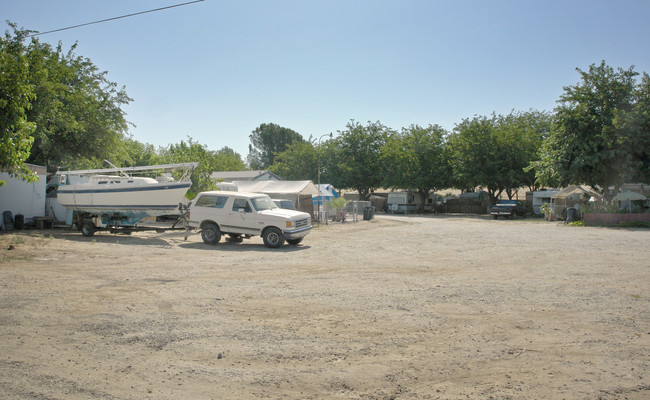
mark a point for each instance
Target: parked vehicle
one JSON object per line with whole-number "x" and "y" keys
{"x": 508, "y": 208}
{"x": 241, "y": 215}
{"x": 286, "y": 204}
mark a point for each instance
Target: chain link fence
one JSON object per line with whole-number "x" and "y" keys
{"x": 345, "y": 211}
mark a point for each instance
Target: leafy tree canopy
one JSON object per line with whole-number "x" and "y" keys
{"x": 225, "y": 159}
{"x": 598, "y": 126}
{"x": 16, "y": 95}
{"x": 266, "y": 141}
{"x": 473, "y": 154}
{"x": 77, "y": 110}
{"x": 417, "y": 160}
{"x": 635, "y": 126}
{"x": 353, "y": 158}
{"x": 59, "y": 108}
{"x": 298, "y": 162}
{"x": 493, "y": 152}
{"x": 137, "y": 154}
{"x": 521, "y": 135}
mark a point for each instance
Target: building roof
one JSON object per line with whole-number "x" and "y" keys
{"x": 38, "y": 169}
{"x": 575, "y": 191}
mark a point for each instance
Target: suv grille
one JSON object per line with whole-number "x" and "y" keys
{"x": 302, "y": 223}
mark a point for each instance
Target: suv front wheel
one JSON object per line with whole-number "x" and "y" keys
{"x": 273, "y": 238}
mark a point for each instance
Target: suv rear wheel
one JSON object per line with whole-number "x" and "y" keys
{"x": 210, "y": 234}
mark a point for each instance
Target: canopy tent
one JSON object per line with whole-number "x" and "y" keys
{"x": 300, "y": 192}
{"x": 570, "y": 196}
{"x": 326, "y": 193}
{"x": 256, "y": 175}
{"x": 625, "y": 199}
{"x": 629, "y": 195}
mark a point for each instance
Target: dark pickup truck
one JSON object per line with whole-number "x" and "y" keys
{"x": 508, "y": 208}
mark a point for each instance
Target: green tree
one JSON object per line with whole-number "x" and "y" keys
{"x": 586, "y": 145}
{"x": 634, "y": 128}
{"x": 298, "y": 162}
{"x": 474, "y": 156}
{"x": 137, "y": 154}
{"x": 494, "y": 153}
{"x": 418, "y": 160}
{"x": 266, "y": 141}
{"x": 353, "y": 159}
{"x": 520, "y": 135}
{"x": 227, "y": 159}
{"x": 191, "y": 151}
{"x": 209, "y": 161}
{"x": 16, "y": 95}
{"x": 77, "y": 110}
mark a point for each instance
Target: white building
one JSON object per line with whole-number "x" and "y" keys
{"x": 22, "y": 197}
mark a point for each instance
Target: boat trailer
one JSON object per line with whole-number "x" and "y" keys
{"x": 120, "y": 224}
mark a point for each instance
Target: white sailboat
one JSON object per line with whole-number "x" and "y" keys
{"x": 118, "y": 191}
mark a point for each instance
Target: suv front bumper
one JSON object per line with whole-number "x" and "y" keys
{"x": 297, "y": 233}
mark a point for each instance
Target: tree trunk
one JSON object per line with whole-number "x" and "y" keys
{"x": 364, "y": 194}
{"x": 424, "y": 196}
{"x": 494, "y": 194}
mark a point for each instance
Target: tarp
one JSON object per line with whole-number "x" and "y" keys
{"x": 300, "y": 192}
{"x": 277, "y": 187}
{"x": 257, "y": 175}
{"x": 327, "y": 191}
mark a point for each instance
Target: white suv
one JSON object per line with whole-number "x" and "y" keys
{"x": 242, "y": 215}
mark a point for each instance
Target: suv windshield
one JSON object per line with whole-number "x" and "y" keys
{"x": 263, "y": 203}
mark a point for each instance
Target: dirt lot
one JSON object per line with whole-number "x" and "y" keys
{"x": 393, "y": 308}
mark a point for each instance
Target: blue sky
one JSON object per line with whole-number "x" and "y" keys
{"x": 216, "y": 70}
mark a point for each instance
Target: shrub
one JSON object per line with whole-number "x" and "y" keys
{"x": 635, "y": 224}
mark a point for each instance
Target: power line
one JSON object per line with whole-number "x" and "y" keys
{"x": 114, "y": 18}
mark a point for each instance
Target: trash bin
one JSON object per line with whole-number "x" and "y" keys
{"x": 19, "y": 221}
{"x": 8, "y": 220}
{"x": 368, "y": 213}
{"x": 570, "y": 214}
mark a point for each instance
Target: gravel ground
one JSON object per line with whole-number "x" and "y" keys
{"x": 441, "y": 307}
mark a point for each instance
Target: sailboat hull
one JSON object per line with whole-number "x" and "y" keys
{"x": 133, "y": 200}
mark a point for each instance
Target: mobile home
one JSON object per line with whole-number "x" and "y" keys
{"x": 403, "y": 202}
{"x": 542, "y": 197}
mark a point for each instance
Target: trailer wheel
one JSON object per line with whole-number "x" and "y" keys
{"x": 210, "y": 234}
{"x": 273, "y": 238}
{"x": 87, "y": 228}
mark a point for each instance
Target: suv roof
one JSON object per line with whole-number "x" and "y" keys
{"x": 227, "y": 193}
